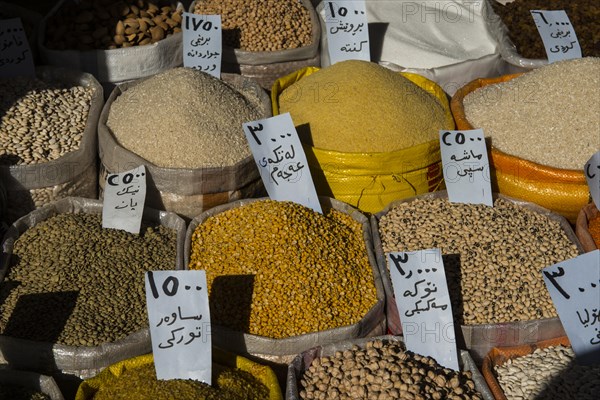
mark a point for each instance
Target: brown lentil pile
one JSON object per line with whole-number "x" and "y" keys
{"x": 111, "y": 24}
{"x": 547, "y": 374}
{"x": 492, "y": 256}
{"x": 384, "y": 370}
{"x": 141, "y": 384}
{"x": 358, "y": 106}
{"x": 279, "y": 269}
{"x": 594, "y": 229}
{"x": 535, "y": 115}
{"x": 183, "y": 118}
{"x": 40, "y": 121}
{"x": 14, "y": 392}
{"x": 583, "y": 14}
{"x": 261, "y": 25}
{"x": 74, "y": 283}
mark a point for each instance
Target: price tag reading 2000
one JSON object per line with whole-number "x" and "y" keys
{"x": 179, "y": 324}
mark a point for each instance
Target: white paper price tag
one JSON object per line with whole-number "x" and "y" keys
{"x": 466, "y": 167}
{"x": 423, "y": 303}
{"x": 15, "y": 55}
{"x": 574, "y": 286}
{"x": 281, "y": 160}
{"x": 124, "y": 197}
{"x": 592, "y": 175}
{"x": 557, "y": 34}
{"x": 347, "y": 30}
{"x": 179, "y": 318}
{"x": 202, "y": 40}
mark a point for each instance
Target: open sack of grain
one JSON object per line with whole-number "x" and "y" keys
{"x": 234, "y": 377}
{"x": 74, "y": 297}
{"x": 48, "y": 138}
{"x": 370, "y": 134}
{"x": 282, "y": 278}
{"x": 493, "y": 257}
{"x": 185, "y": 126}
{"x": 379, "y": 367}
{"x": 267, "y": 39}
{"x": 543, "y": 126}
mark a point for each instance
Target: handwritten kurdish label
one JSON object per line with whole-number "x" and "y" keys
{"x": 347, "y": 30}
{"x": 423, "y": 303}
{"x": 124, "y": 197}
{"x": 574, "y": 286}
{"x": 202, "y": 41}
{"x": 15, "y": 55}
{"x": 592, "y": 174}
{"x": 179, "y": 319}
{"x": 557, "y": 34}
{"x": 466, "y": 167}
{"x": 281, "y": 160}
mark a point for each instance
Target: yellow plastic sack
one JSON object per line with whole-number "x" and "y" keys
{"x": 370, "y": 181}
{"x": 265, "y": 374}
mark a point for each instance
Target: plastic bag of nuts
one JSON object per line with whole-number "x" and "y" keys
{"x": 49, "y": 139}
{"x": 31, "y": 383}
{"x": 114, "y": 41}
{"x": 343, "y": 360}
{"x": 93, "y": 288}
{"x": 253, "y": 47}
{"x": 283, "y": 349}
{"x": 492, "y": 258}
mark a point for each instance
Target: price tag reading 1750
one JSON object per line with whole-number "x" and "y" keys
{"x": 202, "y": 39}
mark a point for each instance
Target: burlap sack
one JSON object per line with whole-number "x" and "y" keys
{"x": 581, "y": 227}
{"x": 82, "y": 361}
{"x": 74, "y": 174}
{"x": 563, "y": 191}
{"x": 187, "y": 192}
{"x": 283, "y": 350}
{"x": 302, "y": 362}
{"x": 499, "y": 355}
{"x": 478, "y": 339}
{"x": 266, "y": 66}
{"x": 31, "y": 380}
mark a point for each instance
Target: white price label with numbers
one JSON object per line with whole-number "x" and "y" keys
{"x": 16, "y": 58}
{"x": 202, "y": 43}
{"x": 558, "y": 34}
{"x": 124, "y": 198}
{"x": 347, "y": 30}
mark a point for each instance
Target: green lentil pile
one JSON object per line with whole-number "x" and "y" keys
{"x": 359, "y": 106}
{"x": 74, "y": 283}
{"x": 261, "y": 25}
{"x": 383, "y": 370}
{"x": 183, "y": 118}
{"x": 279, "y": 269}
{"x": 14, "y": 392}
{"x": 141, "y": 384}
{"x": 583, "y": 14}
{"x": 493, "y": 256}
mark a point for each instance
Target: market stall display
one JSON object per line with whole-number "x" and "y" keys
{"x": 492, "y": 257}
{"x": 266, "y": 39}
{"x": 22, "y": 385}
{"x": 370, "y": 134}
{"x": 48, "y": 138}
{"x": 536, "y": 108}
{"x": 191, "y": 140}
{"x": 74, "y": 297}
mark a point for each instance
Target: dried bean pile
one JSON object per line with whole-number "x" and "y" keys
{"x": 110, "y": 24}
{"x": 279, "y": 269}
{"x": 583, "y": 14}
{"x": 261, "y": 25}
{"x": 535, "y": 116}
{"x": 14, "y": 392}
{"x": 383, "y": 370}
{"x": 183, "y": 118}
{"x": 140, "y": 383}
{"x": 547, "y": 374}
{"x": 493, "y": 256}
{"x": 40, "y": 121}
{"x": 74, "y": 283}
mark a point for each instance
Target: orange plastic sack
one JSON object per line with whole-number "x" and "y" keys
{"x": 499, "y": 355}
{"x": 581, "y": 227}
{"x": 563, "y": 191}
